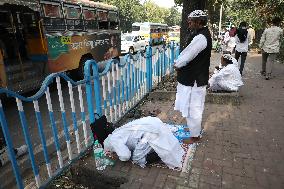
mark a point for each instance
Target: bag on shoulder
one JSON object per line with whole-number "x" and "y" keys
{"x": 101, "y": 128}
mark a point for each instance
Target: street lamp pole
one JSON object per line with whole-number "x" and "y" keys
{"x": 220, "y": 19}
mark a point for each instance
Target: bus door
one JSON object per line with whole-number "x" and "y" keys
{"x": 23, "y": 54}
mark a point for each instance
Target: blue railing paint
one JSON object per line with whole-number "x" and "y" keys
{"x": 42, "y": 136}
{"x": 172, "y": 56}
{"x": 54, "y": 131}
{"x": 28, "y": 141}
{"x": 87, "y": 76}
{"x": 10, "y": 145}
{"x": 65, "y": 126}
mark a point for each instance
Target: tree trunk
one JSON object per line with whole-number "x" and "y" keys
{"x": 188, "y": 7}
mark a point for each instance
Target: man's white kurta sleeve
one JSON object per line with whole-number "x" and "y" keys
{"x": 120, "y": 149}
{"x": 198, "y": 44}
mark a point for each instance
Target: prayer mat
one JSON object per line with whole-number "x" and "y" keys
{"x": 180, "y": 133}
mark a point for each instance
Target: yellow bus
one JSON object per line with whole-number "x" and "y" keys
{"x": 174, "y": 34}
{"x": 154, "y": 33}
{"x": 39, "y": 37}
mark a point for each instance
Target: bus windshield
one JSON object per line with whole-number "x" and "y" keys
{"x": 135, "y": 28}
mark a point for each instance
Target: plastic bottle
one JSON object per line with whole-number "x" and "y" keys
{"x": 99, "y": 156}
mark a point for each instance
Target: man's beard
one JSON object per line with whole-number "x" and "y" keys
{"x": 192, "y": 31}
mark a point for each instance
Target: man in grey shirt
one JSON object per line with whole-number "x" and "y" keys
{"x": 270, "y": 44}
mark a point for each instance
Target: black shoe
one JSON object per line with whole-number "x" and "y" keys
{"x": 263, "y": 73}
{"x": 268, "y": 76}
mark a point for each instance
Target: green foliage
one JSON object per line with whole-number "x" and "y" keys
{"x": 132, "y": 11}
{"x": 255, "y": 12}
{"x": 174, "y": 17}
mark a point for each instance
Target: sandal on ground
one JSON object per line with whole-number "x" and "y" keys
{"x": 191, "y": 140}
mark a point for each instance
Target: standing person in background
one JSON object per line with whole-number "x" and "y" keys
{"x": 251, "y": 35}
{"x": 242, "y": 44}
{"x": 229, "y": 40}
{"x": 270, "y": 45}
{"x": 192, "y": 68}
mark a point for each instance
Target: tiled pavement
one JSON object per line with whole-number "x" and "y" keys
{"x": 242, "y": 146}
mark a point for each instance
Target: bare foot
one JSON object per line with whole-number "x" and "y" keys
{"x": 191, "y": 140}
{"x": 186, "y": 129}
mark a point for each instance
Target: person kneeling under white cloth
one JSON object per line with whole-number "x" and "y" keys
{"x": 226, "y": 78}
{"x": 141, "y": 138}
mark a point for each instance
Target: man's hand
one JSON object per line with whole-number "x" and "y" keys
{"x": 111, "y": 155}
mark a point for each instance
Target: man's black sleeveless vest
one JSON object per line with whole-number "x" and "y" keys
{"x": 197, "y": 69}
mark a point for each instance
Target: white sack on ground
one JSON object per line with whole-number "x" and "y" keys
{"x": 140, "y": 137}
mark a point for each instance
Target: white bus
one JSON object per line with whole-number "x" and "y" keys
{"x": 154, "y": 33}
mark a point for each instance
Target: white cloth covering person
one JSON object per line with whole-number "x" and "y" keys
{"x": 136, "y": 139}
{"x": 228, "y": 78}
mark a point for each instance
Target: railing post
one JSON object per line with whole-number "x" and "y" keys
{"x": 148, "y": 66}
{"x": 151, "y": 68}
{"x": 177, "y": 50}
{"x": 164, "y": 60}
{"x": 97, "y": 88}
{"x": 10, "y": 147}
{"x": 28, "y": 140}
{"x": 172, "y": 47}
{"x": 159, "y": 67}
{"x": 87, "y": 76}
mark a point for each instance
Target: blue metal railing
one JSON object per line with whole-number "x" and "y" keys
{"x": 113, "y": 92}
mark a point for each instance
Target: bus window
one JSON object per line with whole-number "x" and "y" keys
{"x": 89, "y": 14}
{"x": 135, "y": 28}
{"x": 52, "y": 11}
{"x": 90, "y": 19}
{"x": 72, "y": 13}
{"x": 113, "y": 18}
{"x": 144, "y": 28}
{"x": 102, "y": 19}
{"x": 53, "y": 20}
{"x": 102, "y": 15}
{"x": 73, "y": 20}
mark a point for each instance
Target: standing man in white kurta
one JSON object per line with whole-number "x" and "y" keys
{"x": 192, "y": 68}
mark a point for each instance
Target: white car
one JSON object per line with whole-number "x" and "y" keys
{"x": 131, "y": 43}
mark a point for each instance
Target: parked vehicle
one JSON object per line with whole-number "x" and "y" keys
{"x": 154, "y": 33}
{"x": 131, "y": 43}
{"x": 174, "y": 36}
{"x": 39, "y": 37}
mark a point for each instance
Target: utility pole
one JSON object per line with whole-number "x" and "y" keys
{"x": 220, "y": 20}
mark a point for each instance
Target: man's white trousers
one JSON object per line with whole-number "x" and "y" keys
{"x": 190, "y": 102}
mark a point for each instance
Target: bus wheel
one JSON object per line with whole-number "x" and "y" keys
{"x": 131, "y": 50}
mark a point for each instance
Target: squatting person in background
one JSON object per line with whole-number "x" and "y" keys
{"x": 228, "y": 77}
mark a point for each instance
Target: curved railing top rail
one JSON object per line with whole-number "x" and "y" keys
{"x": 48, "y": 80}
